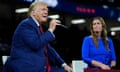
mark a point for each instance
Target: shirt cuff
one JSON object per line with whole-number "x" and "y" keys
{"x": 64, "y": 64}
{"x": 51, "y": 33}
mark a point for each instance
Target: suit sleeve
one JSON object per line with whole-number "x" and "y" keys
{"x": 54, "y": 56}
{"x": 85, "y": 51}
{"x": 32, "y": 38}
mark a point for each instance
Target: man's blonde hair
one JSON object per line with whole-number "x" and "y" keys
{"x": 33, "y": 5}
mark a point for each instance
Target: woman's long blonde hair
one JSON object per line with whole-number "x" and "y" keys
{"x": 103, "y": 33}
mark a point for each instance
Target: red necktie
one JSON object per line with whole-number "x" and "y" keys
{"x": 47, "y": 64}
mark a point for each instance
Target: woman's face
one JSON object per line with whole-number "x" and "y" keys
{"x": 97, "y": 26}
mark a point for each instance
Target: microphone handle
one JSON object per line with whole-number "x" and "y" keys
{"x": 62, "y": 26}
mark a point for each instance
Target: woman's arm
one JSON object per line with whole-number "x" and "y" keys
{"x": 85, "y": 51}
{"x": 113, "y": 56}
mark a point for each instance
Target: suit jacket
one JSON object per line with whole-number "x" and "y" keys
{"x": 27, "y": 52}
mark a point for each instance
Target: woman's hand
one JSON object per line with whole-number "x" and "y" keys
{"x": 104, "y": 67}
{"x": 101, "y": 65}
{"x": 113, "y": 64}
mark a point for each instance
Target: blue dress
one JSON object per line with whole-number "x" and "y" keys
{"x": 100, "y": 54}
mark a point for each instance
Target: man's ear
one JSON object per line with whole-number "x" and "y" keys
{"x": 33, "y": 13}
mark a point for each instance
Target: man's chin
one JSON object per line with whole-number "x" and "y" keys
{"x": 44, "y": 20}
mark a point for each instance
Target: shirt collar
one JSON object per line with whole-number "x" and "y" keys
{"x": 35, "y": 21}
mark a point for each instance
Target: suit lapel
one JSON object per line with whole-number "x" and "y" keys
{"x": 32, "y": 22}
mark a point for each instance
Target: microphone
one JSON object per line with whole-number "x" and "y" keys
{"x": 61, "y": 25}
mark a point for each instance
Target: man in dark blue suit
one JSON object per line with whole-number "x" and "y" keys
{"x": 28, "y": 52}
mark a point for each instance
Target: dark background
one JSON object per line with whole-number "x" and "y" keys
{"x": 68, "y": 41}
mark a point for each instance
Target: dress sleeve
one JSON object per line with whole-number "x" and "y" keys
{"x": 111, "y": 46}
{"x": 85, "y": 50}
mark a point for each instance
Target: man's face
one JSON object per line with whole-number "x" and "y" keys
{"x": 41, "y": 12}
